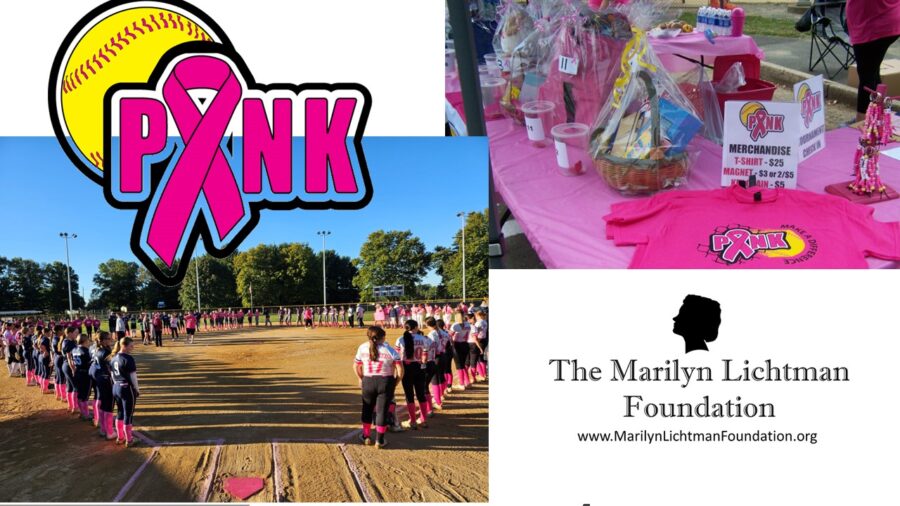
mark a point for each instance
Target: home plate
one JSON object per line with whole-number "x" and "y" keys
{"x": 242, "y": 488}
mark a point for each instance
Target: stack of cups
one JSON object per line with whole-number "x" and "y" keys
{"x": 538, "y": 118}
{"x": 491, "y": 93}
{"x": 571, "y": 140}
{"x": 493, "y": 65}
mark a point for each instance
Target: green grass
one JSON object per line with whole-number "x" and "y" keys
{"x": 758, "y": 25}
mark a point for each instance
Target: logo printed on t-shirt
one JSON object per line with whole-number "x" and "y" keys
{"x": 733, "y": 244}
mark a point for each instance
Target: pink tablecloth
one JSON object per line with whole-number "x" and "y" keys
{"x": 562, "y": 216}
{"x": 695, "y": 45}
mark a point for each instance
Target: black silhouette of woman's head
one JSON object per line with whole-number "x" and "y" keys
{"x": 698, "y": 322}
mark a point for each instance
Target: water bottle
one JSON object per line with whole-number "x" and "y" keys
{"x": 727, "y": 26}
{"x": 701, "y": 19}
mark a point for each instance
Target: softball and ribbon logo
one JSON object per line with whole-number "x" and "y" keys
{"x": 757, "y": 120}
{"x": 735, "y": 244}
{"x": 810, "y": 103}
{"x": 152, "y": 101}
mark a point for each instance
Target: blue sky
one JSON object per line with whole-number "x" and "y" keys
{"x": 419, "y": 183}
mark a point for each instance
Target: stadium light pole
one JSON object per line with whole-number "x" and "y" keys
{"x": 462, "y": 219}
{"x": 65, "y": 236}
{"x": 324, "y": 233}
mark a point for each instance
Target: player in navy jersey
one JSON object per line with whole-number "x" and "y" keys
{"x": 102, "y": 380}
{"x": 66, "y": 347}
{"x": 45, "y": 362}
{"x": 377, "y": 365}
{"x": 412, "y": 347}
{"x": 125, "y": 389}
{"x": 26, "y": 345}
{"x": 57, "y": 359}
{"x": 81, "y": 364}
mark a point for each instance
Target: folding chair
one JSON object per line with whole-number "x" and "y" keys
{"x": 829, "y": 36}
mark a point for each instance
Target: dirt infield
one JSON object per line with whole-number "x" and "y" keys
{"x": 281, "y": 404}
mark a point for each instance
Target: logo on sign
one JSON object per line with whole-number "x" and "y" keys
{"x": 757, "y": 120}
{"x": 810, "y": 103}
{"x": 151, "y": 100}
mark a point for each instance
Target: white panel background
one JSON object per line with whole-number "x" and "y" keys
{"x": 802, "y": 318}
{"x": 393, "y": 48}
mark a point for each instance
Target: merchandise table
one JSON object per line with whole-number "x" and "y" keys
{"x": 563, "y": 216}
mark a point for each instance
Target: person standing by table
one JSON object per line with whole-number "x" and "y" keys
{"x": 873, "y": 25}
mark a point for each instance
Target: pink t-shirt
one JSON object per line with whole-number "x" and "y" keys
{"x": 727, "y": 228}
{"x": 869, "y": 20}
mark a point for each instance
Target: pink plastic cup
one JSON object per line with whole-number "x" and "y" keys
{"x": 538, "y": 121}
{"x": 571, "y": 141}
{"x": 491, "y": 93}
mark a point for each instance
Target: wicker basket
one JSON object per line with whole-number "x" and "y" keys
{"x": 638, "y": 176}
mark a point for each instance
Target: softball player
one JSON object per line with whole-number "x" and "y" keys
{"x": 45, "y": 364}
{"x": 412, "y": 347}
{"x": 58, "y": 358}
{"x": 377, "y": 366}
{"x": 26, "y": 346}
{"x": 446, "y": 361}
{"x": 475, "y": 351}
{"x": 481, "y": 325}
{"x": 437, "y": 378}
{"x": 66, "y": 347}
{"x": 125, "y": 389}
{"x": 190, "y": 326}
{"x": 460, "y": 334}
{"x": 99, "y": 373}
{"x": 81, "y": 365}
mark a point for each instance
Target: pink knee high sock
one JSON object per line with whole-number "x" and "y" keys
{"x": 83, "y": 407}
{"x": 461, "y": 377}
{"x": 436, "y": 394}
{"x": 128, "y": 435}
{"x": 109, "y": 423}
{"x": 482, "y": 370}
{"x": 411, "y": 408}
{"x": 120, "y": 430}
{"x": 70, "y": 396}
{"x": 367, "y": 430}
{"x": 96, "y": 412}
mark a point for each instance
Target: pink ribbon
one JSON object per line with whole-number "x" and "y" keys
{"x": 202, "y": 166}
{"x": 740, "y": 245}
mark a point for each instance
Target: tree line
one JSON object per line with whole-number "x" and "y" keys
{"x": 287, "y": 273}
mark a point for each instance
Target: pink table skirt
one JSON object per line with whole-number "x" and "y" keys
{"x": 562, "y": 216}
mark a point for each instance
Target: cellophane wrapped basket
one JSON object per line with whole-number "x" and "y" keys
{"x": 641, "y": 138}
{"x": 584, "y": 62}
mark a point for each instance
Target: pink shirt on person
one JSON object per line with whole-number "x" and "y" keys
{"x": 726, "y": 228}
{"x": 869, "y": 20}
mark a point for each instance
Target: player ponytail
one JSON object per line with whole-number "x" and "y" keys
{"x": 374, "y": 334}
{"x": 83, "y": 339}
{"x": 120, "y": 346}
{"x": 408, "y": 343}
{"x": 102, "y": 336}
{"x": 431, "y": 322}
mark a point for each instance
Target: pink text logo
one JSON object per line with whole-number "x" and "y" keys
{"x": 742, "y": 244}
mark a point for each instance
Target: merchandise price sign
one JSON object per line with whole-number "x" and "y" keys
{"x": 761, "y": 139}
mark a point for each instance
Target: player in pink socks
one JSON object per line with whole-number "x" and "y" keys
{"x": 433, "y": 371}
{"x": 125, "y": 389}
{"x": 460, "y": 334}
{"x": 412, "y": 347}
{"x": 377, "y": 366}
{"x": 99, "y": 372}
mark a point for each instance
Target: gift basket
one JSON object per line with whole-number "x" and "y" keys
{"x": 584, "y": 62}
{"x": 640, "y": 139}
{"x": 525, "y": 65}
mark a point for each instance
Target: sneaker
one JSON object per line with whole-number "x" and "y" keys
{"x": 396, "y": 428}
{"x": 119, "y": 441}
{"x": 365, "y": 440}
{"x": 459, "y": 388}
{"x": 101, "y": 434}
{"x": 380, "y": 444}
{"x": 133, "y": 442}
{"x": 431, "y": 414}
{"x": 423, "y": 424}
{"x": 110, "y": 437}
{"x": 410, "y": 425}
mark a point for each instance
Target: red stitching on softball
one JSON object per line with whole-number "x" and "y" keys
{"x": 73, "y": 80}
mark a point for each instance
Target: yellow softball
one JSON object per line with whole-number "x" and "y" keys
{"x": 122, "y": 45}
